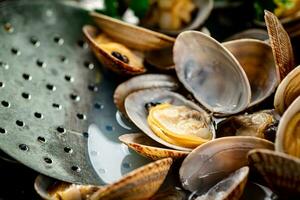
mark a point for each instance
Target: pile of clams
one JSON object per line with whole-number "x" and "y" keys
{"x": 209, "y": 114}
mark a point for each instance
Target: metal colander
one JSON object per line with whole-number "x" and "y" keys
{"x": 57, "y": 114}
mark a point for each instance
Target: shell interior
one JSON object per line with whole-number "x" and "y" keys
{"x": 136, "y": 111}
{"x": 257, "y": 60}
{"x": 213, "y": 161}
{"x": 211, "y": 73}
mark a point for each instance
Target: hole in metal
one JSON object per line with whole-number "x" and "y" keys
{"x": 93, "y": 88}
{"x": 50, "y": 87}
{"x": 34, "y": 41}
{"x": 55, "y": 105}
{"x": 20, "y": 123}
{"x": 82, "y": 44}
{"x": 48, "y": 160}
{"x": 15, "y": 51}
{"x": 126, "y": 165}
{"x": 5, "y": 104}
{"x": 25, "y": 95}
{"x": 63, "y": 59}
{"x": 27, "y": 77}
{"x": 41, "y": 139}
{"x": 4, "y": 65}
{"x": 58, "y": 40}
{"x": 75, "y": 168}
{"x": 23, "y": 147}
{"x": 85, "y": 134}
{"x": 1, "y": 84}
{"x": 38, "y": 115}
{"x": 40, "y": 63}
{"x": 61, "y": 129}
{"x": 8, "y": 27}
{"x": 2, "y": 130}
{"x": 81, "y": 116}
{"x": 101, "y": 171}
{"x": 89, "y": 65}
{"x": 98, "y": 106}
{"x": 69, "y": 78}
{"x": 68, "y": 150}
{"x": 75, "y": 97}
{"x": 109, "y": 128}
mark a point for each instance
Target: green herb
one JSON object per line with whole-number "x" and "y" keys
{"x": 261, "y": 5}
{"x": 139, "y": 7}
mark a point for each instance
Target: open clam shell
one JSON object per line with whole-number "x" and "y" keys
{"x": 141, "y": 183}
{"x": 147, "y": 147}
{"x": 257, "y": 60}
{"x": 280, "y": 171}
{"x": 136, "y": 111}
{"x": 211, "y": 73}
{"x": 288, "y": 134}
{"x": 281, "y": 45}
{"x": 147, "y": 81}
{"x": 287, "y": 91}
{"x": 213, "y": 161}
{"x": 137, "y": 40}
{"x": 230, "y": 188}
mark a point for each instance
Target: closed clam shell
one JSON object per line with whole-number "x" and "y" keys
{"x": 287, "y": 91}
{"x": 213, "y": 161}
{"x": 147, "y": 81}
{"x": 136, "y": 111}
{"x": 280, "y": 171}
{"x": 281, "y": 45}
{"x": 230, "y": 188}
{"x": 211, "y": 73}
{"x": 288, "y": 133}
{"x": 147, "y": 147}
{"x": 141, "y": 183}
{"x": 257, "y": 60}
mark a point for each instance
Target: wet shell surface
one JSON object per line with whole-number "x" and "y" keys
{"x": 147, "y": 147}
{"x": 147, "y": 81}
{"x": 211, "y": 162}
{"x": 288, "y": 134}
{"x": 257, "y": 60}
{"x": 141, "y": 183}
{"x": 230, "y": 188}
{"x": 280, "y": 171}
{"x": 210, "y": 72}
{"x": 136, "y": 111}
{"x": 281, "y": 45}
{"x": 260, "y": 124}
{"x": 287, "y": 91}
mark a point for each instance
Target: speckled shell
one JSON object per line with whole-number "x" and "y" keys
{"x": 149, "y": 148}
{"x": 280, "y": 171}
{"x": 141, "y": 183}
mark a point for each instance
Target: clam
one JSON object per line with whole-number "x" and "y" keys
{"x": 175, "y": 122}
{"x": 258, "y": 34}
{"x": 260, "y": 124}
{"x": 281, "y": 45}
{"x": 141, "y": 183}
{"x": 288, "y": 134}
{"x": 146, "y": 81}
{"x": 210, "y": 72}
{"x": 280, "y": 171}
{"x": 287, "y": 91}
{"x": 149, "y": 148}
{"x": 203, "y": 10}
{"x": 213, "y": 161}
{"x": 121, "y": 46}
{"x": 230, "y": 188}
{"x": 257, "y": 60}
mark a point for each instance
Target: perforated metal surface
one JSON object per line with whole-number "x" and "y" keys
{"x": 56, "y": 111}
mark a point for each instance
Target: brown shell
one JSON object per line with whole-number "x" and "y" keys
{"x": 280, "y": 171}
{"x": 140, "y": 82}
{"x": 149, "y": 148}
{"x": 281, "y": 45}
{"x": 141, "y": 183}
